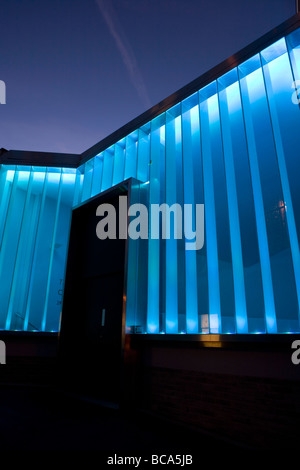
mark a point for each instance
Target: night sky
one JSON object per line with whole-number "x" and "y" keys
{"x": 77, "y": 70}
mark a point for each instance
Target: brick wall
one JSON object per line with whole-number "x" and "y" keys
{"x": 248, "y": 403}
{"x": 252, "y": 411}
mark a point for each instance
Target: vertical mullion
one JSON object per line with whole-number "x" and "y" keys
{"x": 143, "y": 153}
{"x": 210, "y": 214}
{"x": 234, "y": 226}
{"x": 132, "y": 268}
{"x": 78, "y": 187}
{"x": 44, "y": 318}
{"x": 88, "y": 179}
{"x": 189, "y": 198}
{"x": 97, "y": 175}
{"x": 171, "y": 243}
{"x": 118, "y": 170}
{"x": 34, "y": 258}
{"x": 153, "y": 244}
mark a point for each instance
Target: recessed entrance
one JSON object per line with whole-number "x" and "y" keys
{"x": 92, "y": 325}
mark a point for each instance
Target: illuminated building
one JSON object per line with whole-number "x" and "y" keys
{"x": 228, "y": 140}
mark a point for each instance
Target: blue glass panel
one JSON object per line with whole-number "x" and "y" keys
{"x": 293, "y": 45}
{"x": 78, "y": 185}
{"x": 108, "y": 165}
{"x": 171, "y": 244}
{"x": 191, "y": 152}
{"x": 274, "y": 51}
{"x": 132, "y": 324}
{"x": 53, "y": 303}
{"x": 175, "y": 272}
{"x": 219, "y": 263}
{"x": 238, "y": 274}
{"x": 119, "y": 162}
{"x": 156, "y": 262}
{"x": 285, "y": 117}
{"x": 235, "y": 151}
{"x": 131, "y": 155}
{"x": 143, "y": 153}
{"x": 7, "y": 175}
{"x": 276, "y": 261}
{"x": 51, "y": 252}
{"x": 87, "y": 182}
{"x": 10, "y": 241}
{"x": 141, "y": 286}
{"x": 35, "y": 310}
{"x": 20, "y": 284}
{"x": 235, "y": 147}
{"x": 97, "y": 175}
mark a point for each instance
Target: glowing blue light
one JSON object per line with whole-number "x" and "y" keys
{"x": 278, "y": 77}
{"x": 10, "y": 175}
{"x": 69, "y": 178}
{"x": 152, "y": 328}
{"x": 274, "y": 51}
{"x": 53, "y": 177}
{"x": 171, "y": 326}
{"x": 252, "y": 90}
{"x": 39, "y": 176}
{"x": 214, "y": 321}
{"x": 234, "y": 226}
{"x": 192, "y": 326}
{"x": 23, "y": 175}
{"x": 209, "y": 114}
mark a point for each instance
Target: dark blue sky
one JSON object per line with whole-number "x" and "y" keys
{"x": 77, "y": 70}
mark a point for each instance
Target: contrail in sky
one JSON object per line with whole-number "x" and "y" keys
{"x": 125, "y": 50}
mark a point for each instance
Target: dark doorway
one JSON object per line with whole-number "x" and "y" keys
{"x": 92, "y": 324}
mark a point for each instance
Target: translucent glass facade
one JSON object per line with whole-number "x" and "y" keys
{"x": 232, "y": 146}
{"x": 35, "y": 213}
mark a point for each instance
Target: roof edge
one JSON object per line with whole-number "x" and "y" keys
{"x": 50, "y": 159}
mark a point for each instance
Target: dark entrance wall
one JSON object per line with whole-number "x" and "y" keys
{"x": 92, "y": 327}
